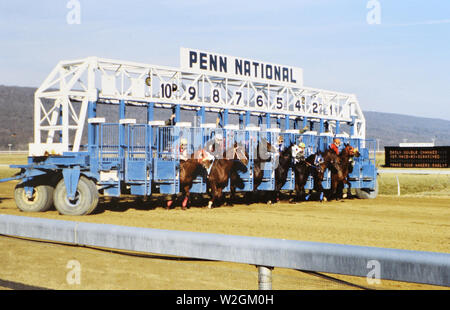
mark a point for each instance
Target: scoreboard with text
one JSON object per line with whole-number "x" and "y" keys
{"x": 417, "y": 157}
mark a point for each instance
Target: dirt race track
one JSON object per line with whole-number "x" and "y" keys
{"x": 410, "y": 223}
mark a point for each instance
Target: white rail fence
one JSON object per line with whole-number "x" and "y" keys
{"x": 401, "y": 265}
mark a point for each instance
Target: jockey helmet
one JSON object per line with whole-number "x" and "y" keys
{"x": 302, "y": 145}
{"x": 337, "y": 141}
{"x": 183, "y": 141}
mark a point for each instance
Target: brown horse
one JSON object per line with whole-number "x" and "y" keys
{"x": 190, "y": 169}
{"x": 226, "y": 170}
{"x": 346, "y": 164}
{"x": 318, "y": 163}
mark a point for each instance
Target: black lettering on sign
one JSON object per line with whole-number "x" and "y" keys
{"x": 285, "y": 75}
{"x": 192, "y": 58}
{"x": 247, "y": 68}
{"x": 277, "y": 73}
{"x": 292, "y": 78}
{"x": 213, "y": 62}
{"x": 203, "y": 61}
{"x": 223, "y": 64}
{"x": 255, "y": 65}
{"x": 238, "y": 66}
{"x": 269, "y": 72}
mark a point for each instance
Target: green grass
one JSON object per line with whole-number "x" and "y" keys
{"x": 414, "y": 184}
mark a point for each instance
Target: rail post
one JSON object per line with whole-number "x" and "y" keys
{"x": 264, "y": 277}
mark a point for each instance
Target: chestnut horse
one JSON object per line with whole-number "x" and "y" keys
{"x": 338, "y": 181}
{"x": 190, "y": 169}
{"x": 226, "y": 170}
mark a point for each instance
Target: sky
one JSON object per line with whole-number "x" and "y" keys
{"x": 394, "y": 55}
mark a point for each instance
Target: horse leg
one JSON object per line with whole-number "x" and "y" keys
{"x": 340, "y": 190}
{"x": 213, "y": 190}
{"x": 220, "y": 196}
{"x": 185, "y": 202}
{"x": 232, "y": 195}
{"x": 334, "y": 190}
{"x": 170, "y": 202}
{"x": 349, "y": 189}
{"x": 297, "y": 192}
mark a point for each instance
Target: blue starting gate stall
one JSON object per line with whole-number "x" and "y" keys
{"x": 77, "y": 153}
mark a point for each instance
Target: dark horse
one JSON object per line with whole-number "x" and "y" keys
{"x": 263, "y": 151}
{"x": 314, "y": 165}
{"x": 224, "y": 170}
{"x": 338, "y": 180}
{"x": 285, "y": 161}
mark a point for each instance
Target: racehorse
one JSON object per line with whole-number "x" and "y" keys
{"x": 263, "y": 151}
{"x": 302, "y": 170}
{"x": 190, "y": 169}
{"x": 240, "y": 156}
{"x": 315, "y": 165}
{"x": 224, "y": 170}
{"x": 285, "y": 159}
{"x": 338, "y": 181}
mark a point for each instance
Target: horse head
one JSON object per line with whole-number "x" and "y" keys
{"x": 264, "y": 149}
{"x": 332, "y": 161}
{"x": 240, "y": 153}
{"x": 350, "y": 151}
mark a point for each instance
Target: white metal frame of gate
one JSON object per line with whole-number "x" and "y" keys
{"x": 61, "y": 102}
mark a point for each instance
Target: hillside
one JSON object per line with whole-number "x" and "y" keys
{"x": 16, "y": 123}
{"x": 392, "y": 129}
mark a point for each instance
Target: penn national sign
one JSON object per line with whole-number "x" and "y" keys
{"x": 239, "y": 68}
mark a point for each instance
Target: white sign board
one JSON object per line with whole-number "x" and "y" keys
{"x": 239, "y": 68}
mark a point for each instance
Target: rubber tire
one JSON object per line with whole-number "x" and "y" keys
{"x": 365, "y": 193}
{"x": 87, "y": 198}
{"x": 42, "y": 201}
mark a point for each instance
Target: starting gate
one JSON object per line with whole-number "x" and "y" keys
{"x": 125, "y": 156}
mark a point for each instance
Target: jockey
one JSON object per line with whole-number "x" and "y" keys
{"x": 280, "y": 143}
{"x": 335, "y": 145}
{"x": 216, "y": 148}
{"x": 301, "y": 152}
{"x": 183, "y": 149}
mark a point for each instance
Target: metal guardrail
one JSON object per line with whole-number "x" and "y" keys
{"x": 401, "y": 265}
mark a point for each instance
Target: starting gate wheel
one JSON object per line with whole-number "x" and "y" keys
{"x": 365, "y": 193}
{"x": 40, "y": 201}
{"x": 85, "y": 202}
